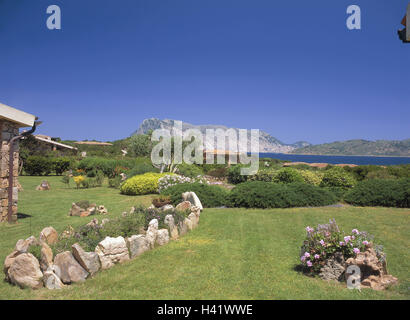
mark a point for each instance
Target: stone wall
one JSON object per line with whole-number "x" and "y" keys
{"x": 7, "y": 131}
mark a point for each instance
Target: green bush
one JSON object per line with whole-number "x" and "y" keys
{"x": 191, "y": 171}
{"x": 259, "y": 194}
{"x": 288, "y": 175}
{"x": 400, "y": 171}
{"x": 266, "y": 175}
{"x": 337, "y": 177}
{"x": 384, "y": 193}
{"x": 142, "y": 184}
{"x": 234, "y": 174}
{"x": 218, "y": 172}
{"x": 61, "y": 165}
{"x": 209, "y": 195}
{"x": 338, "y": 192}
{"x": 38, "y": 166}
{"x": 114, "y": 182}
{"x": 312, "y": 177}
{"x": 110, "y": 167}
{"x": 380, "y": 174}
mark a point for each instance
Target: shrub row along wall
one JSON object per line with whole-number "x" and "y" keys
{"x": 31, "y": 264}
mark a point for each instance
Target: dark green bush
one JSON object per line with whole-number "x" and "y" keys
{"x": 210, "y": 196}
{"x": 260, "y": 194}
{"x": 288, "y": 175}
{"x": 234, "y": 174}
{"x": 110, "y": 167}
{"x": 38, "y": 166}
{"x": 114, "y": 182}
{"x": 385, "y": 193}
{"x": 61, "y": 165}
{"x": 338, "y": 192}
{"x": 191, "y": 171}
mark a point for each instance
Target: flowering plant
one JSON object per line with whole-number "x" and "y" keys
{"x": 79, "y": 180}
{"x": 172, "y": 180}
{"x": 325, "y": 240}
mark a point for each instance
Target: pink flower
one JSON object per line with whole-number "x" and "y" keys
{"x": 309, "y": 264}
{"x": 307, "y": 254}
{"x": 302, "y": 258}
{"x": 355, "y": 231}
{"x": 309, "y": 229}
{"x": 347, "y": 239}
{"x": 317, "y": 256}
{"x": 322, "y": 243}
{"x": 365, "y": 242}
{"x": 341, "y": 243}
{"x": 356, "y": 250}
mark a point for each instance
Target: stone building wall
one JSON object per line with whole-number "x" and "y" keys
{"x": 7, "y": 131}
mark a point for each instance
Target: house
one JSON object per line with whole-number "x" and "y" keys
{"x": 46, "y": 143}
{"x": 11, "y": 120}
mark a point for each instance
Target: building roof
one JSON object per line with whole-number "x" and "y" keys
{"x": 95, "y": 143}
{"x": 62, "y": 145}
{"x": 21, "y": 118}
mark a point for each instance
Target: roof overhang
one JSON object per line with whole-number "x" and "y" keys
{"x": 21, "y": 118}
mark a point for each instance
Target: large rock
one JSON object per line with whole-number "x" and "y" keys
{"x": 88, "y": 260}
{"x": 75, "y": 210}
{"x": 188, "y": 224}
{"x": 22, "y": 246}
{"x": 182, "y": 228}
{"x": 9, "y": 261}
{"x": 373, "y": 270}
{"x": 45, "y": 185}
{"x": 173, "y": 230}
{"x": 112, "y": 251}
{"x": 25, "y": 272}
{"x": 334, "y": 268}
{"x": 46, "y": 259}
{"x": 152, "y": 231}
{"x": 183, "y": 206}
{"x": 68, "y": 269}
{"x": 194, "y": 219}
{"x": 193, "y": 198}
{"x": 167, "y": 207}
{"x": 162, "y": 237}
{"x": 51, "y": 280}
{"x": 49, "y": 235}
{"x": 137, "y": 245}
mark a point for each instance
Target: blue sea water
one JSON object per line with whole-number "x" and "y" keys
{"x": 359, "y": 160}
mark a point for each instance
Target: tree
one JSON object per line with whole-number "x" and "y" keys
{"x": 140, "y": 145}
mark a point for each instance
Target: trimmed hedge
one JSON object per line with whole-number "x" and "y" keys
{"x": 385, "y": 193}
{"x": 259, "y": 194}
{"x": 43, "y": 166}
{"x": 210, "y": 196}
{"x": 142, "y": 184}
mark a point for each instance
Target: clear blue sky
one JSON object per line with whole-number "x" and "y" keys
{"x": 290, "y": 68}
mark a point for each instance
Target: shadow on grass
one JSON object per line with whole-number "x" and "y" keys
{"x": 22, "y": 215}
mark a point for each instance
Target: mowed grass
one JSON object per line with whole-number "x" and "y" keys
{"x": 233, "y": 254}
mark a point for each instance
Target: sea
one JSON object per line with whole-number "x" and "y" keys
{"x": 359, "y": 160}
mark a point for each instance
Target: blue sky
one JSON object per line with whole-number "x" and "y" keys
{"x": 290, "y": 68}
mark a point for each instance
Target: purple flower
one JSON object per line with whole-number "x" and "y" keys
{"x": 317, "y": 256}
{"x": 322, "y": 243}
{"x": 341, "y": 243}
{"x": 356, "y": 250}
{"x": 355, "y": 231}
{"x": 365, "y": 242}
{"x": 307, "y": 254}
{"x": 309, "y": 229}
{"x": 302, "y": 258}
{"x": 347, "y": 239}
{"x": 309, "y": 264}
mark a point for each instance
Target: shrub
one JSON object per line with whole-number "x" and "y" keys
{"x": 38, "y": 166}
{"x": 142, "y": 184}
{"x": 288, "y": 175}
{"x": 209, "y": 195}
{"x": 218, "y": 172}
{"x": 380, "y": 174}
{"x": 385, "y": 193}
{"x": 61, "y": 165}
{"x": 114, "y": 182}
{"x": 235, "y": 176}
{"x": 79, "y": 180}
{"x": 170, "y": 180}
{"x": 140, "y": 145}
{"x": 110, "y": 167}
{"x": 259, "y": 194}
{"x": 190, "y": 171}
{"x": 337, "y": 177}
{"x": 311, "y": 177}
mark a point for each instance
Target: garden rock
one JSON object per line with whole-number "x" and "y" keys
{"x": 173, "y": 230}
{"x": 167, "y": 207}
{"x": 196, "y": 210}
{"x": 9, "y": 261}
{"x": 112, "y": 251}
{"x": 75, "y": 210}
{"x": 22, "y": 246}
{"x": 188, "y": 224}
{"x": 151, "y": 234}
{"x": 51, "y": 280}
{"x": 43, "y": 186}
{"x": 334, "y": 268}
{"x": 102, "y": 210}
{"x": 49, "y": 235}
{"x": 25, "y": 272}
{"x": 182, "y": 228}
{"x": 162, "y": 237}
{"x": 373, "y": 270}
{"x": 183, "y": 206}
{"x": 88, "y": 260}
{"x": 93, "y": 223}
{"x": 194, "y": 219}
{"x": 137, "y": 245}
{"x": 68, "y": 269}
{"x": 193, "y": 198}
{"x": 46, "y": 256}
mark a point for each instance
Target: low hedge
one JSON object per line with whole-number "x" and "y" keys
{"x": 384, "y": 193}
{"x": 209, "y": 195}
{"x": 260, "y": 194}
{"x": 43, "y": 166}
{"x": 142, "y": 184}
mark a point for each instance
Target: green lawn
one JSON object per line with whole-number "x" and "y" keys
{"x": 233, "y": 254}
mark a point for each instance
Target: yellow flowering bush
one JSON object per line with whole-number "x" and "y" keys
{"x": 142, "y": 184}
{"x": 78, "y": 180}
{"x": 311, "y": 177}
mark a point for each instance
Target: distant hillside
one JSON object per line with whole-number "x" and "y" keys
{"x": 267, "y": 143}
{"x": 359, "y": 147}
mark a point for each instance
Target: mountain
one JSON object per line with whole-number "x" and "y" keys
{"x": 267, "y": 143}
{"x": 359, "y": 147}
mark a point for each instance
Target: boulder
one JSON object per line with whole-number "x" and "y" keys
{"x": 153, "y": 224}
{"x": 334, "y": 268}
{"x": 46, "y": 259}
{"x": 188, "y": 224}
{"x": 193, "y": 198}
{"x": 75, "y": 210}
{"x": 22, "y": 246}
{"x": 196, "y": 210}
{"x": 173, "y": 230}
{"x": 151, "y": 234}
{"x": 183, "y": 206}
{"x": 373, "y": 269}
{"x": 167, "y": 207}
{"x": 9, "y": 261}
{"x": 43, "y": 186}
{"x": 162, "y": 237}
{"x": 49, "y": 235}
{"x": 194, "y": 219}
{"x": 51, "y": 280}
{"x": 25, "y": 272}
{"x": 182, "y": 228}
{"x": 68, "y": 269}
{"x": 137, "y": 244}
{"x": 88, "y": 260}
{"x": 102, "y": 210}
{"x": 112, "y": 251}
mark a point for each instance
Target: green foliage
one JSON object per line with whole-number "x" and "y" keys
{"x": 385, "y": 193}
{"x": 337, "y": 177}
{"x": 38, "y": 166}
{"x": 66, "y": 179}
{"x": 288, "y": 175}
{"x": 380, "y": 174}
{"x": 61, "y": 165}
{"x": 209, "y": 195}
{"x": 140, "y": 145}
{"x": 338, "y": 192}
{"x": 141, "y": 166}
{"x": 142, "y": 184}
{"x": 312, "y": 177}
{"x": 188, "y": 170}
{"x": 218, "y": 172}
{"x": 266, "y": 175}
{"x": 35, "y": 250}
{"x": 259, "y": 194}
{"x": 234, "y": 174}
{"x": 110, "y": 167}
{"x": 400, "y": 171}
{"x": 114, "y": 182}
